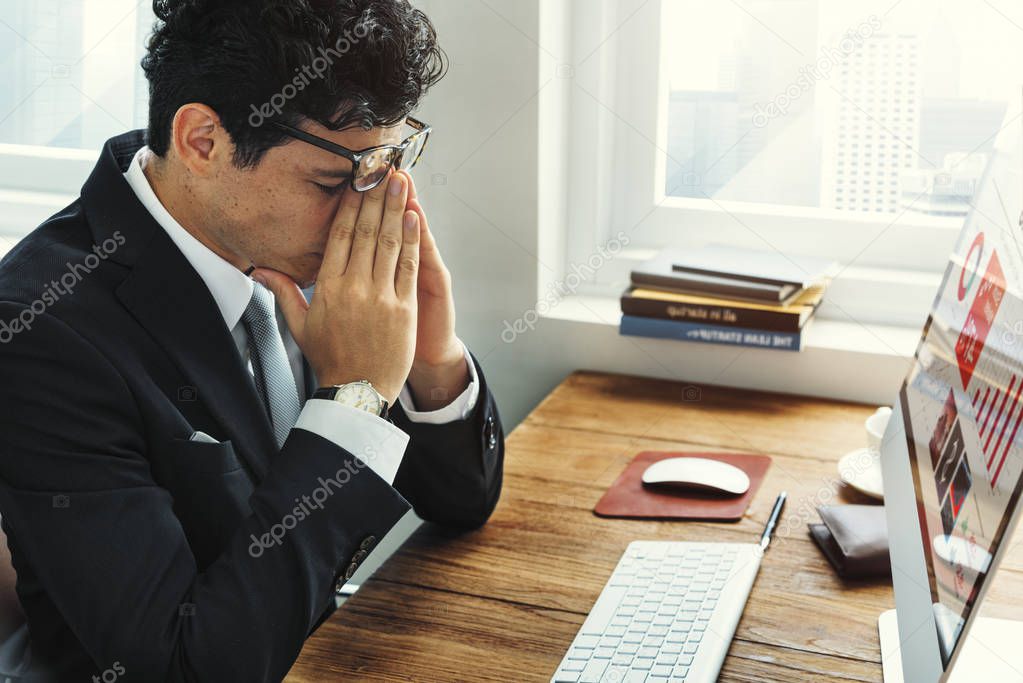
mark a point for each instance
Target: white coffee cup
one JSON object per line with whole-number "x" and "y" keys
{"x": 876, "y": 424}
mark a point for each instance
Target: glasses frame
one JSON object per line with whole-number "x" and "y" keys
{"x": 356, "y": 156}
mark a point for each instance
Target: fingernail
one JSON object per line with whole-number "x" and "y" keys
{"x": 411, "y": 221}
{"x": 395, "y": 187}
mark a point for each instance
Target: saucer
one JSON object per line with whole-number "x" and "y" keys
{"x": 861, "y": 469}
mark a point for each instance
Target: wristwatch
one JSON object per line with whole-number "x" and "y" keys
{"x": 360, "y": 394}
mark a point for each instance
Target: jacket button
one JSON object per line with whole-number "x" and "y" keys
{"x": 368, "y": 542}
{"x": 491, "y": 433}
{"x": 350, "y": 571}
{"x": 359, "y": 556}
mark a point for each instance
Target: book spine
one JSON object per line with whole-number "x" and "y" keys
{"x": 724, "y": 316}
{"x": 713, "y": 334}
{"x": 735, "y": 291}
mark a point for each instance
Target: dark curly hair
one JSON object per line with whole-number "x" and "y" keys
{"x": 341, "y": 63}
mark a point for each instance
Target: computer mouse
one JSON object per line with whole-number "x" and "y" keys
{"x": 700, "y": 474}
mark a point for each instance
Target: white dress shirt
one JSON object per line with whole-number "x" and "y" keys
{"x": 374, "y": 440}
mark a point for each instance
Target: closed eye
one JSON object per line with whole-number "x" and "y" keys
{"x": 332, "y": 190}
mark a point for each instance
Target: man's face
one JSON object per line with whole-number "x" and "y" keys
{"x": 278, "y": 215}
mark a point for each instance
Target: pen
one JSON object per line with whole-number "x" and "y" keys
{"x": 772, "y": 521}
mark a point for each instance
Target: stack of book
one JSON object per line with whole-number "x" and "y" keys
{"x": 726, "y": 295}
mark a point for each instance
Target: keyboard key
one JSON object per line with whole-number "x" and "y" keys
{"x": 586, "y": 641}
{"x": 665, "y": 659}
{"x": 643, "y": 663}
{"x": 604, "y": 653}
{"x": 566, "y": 676}
{"x": 635, "y": 676}
{"x": 622, "y": 659}
{"x": 661, "y": 671}
{"x": 580, "y": 653}
{"x": 680, "y": 671}
{"x": 615, "y": 674}
{"x": 593, "y": 671}
{"x": 602, "y": 611}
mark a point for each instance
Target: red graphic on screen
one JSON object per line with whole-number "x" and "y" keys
{"x": 997, "y": 420}
{"x": 980, "y": 319}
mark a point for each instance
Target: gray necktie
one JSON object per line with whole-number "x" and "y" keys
{"x": 274, "y": 379}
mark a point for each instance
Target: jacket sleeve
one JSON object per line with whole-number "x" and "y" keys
{"x": 80, "y": 504}
{"x": 452, "y": 472}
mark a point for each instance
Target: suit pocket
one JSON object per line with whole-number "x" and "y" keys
{"x": 202, "y": 457}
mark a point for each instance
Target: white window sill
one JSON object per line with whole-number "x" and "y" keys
{"x": 840, "y": 360}
{"x": 22, "y": 210}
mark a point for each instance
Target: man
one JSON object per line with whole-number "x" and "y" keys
{"x": 187, "y": 475}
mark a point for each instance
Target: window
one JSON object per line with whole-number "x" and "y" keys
{"x": 73, "y": 70}
{"x": 855, "y": 131}
{"x": 72, "y": 80}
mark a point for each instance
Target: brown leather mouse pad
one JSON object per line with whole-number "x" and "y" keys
{"x": 627, "y": 497}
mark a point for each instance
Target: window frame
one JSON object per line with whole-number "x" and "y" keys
{"x": 618, "y": 97}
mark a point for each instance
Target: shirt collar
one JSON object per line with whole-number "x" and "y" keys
{"x": 230, "y": 287}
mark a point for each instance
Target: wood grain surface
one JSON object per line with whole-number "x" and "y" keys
{"x": 503, "y": 603}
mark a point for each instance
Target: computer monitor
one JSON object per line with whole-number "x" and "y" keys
{"x": 952, "y": 456}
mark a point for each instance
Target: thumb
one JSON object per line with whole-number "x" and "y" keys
{"x": 289, "y": 297}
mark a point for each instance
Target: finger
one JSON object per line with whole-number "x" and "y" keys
{"x": 342, "y": 231}
{"x": 390, "y": 238}
{"x": 428, "y": 251}
{"x": 289, "y": 297}
{"x": 367, "y": 226}
{"x": 408, "y": 262}
{"x": 412, "y": 194}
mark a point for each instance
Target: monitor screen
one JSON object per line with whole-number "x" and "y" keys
{"x": 962, "y": 401}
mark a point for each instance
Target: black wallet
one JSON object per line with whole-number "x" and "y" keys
{"x": 854, "y": 538}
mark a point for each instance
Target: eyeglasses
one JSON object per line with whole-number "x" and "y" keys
{"x": 370, "y": 166}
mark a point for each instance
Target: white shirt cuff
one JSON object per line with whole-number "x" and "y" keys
{"x": 372, "y": 439}
{"x": 458, "y": 409}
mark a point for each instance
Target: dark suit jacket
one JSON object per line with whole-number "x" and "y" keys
{"x": 135, "y": 546}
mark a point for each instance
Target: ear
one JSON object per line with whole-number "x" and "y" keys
{"x": 199, "y": 140}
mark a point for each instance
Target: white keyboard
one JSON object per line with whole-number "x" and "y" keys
{"x": 667, "y": 614}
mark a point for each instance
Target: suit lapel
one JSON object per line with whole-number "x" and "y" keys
{"x": 169, "y": 299}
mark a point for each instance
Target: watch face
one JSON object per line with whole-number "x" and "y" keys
{"x": 359, "y": 395}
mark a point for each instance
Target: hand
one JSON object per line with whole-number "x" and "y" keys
{"x": 439, "y": 370}
{"x": 361, "y": 322}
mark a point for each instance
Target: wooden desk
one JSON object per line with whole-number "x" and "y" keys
{"x": 503, "y": 603}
